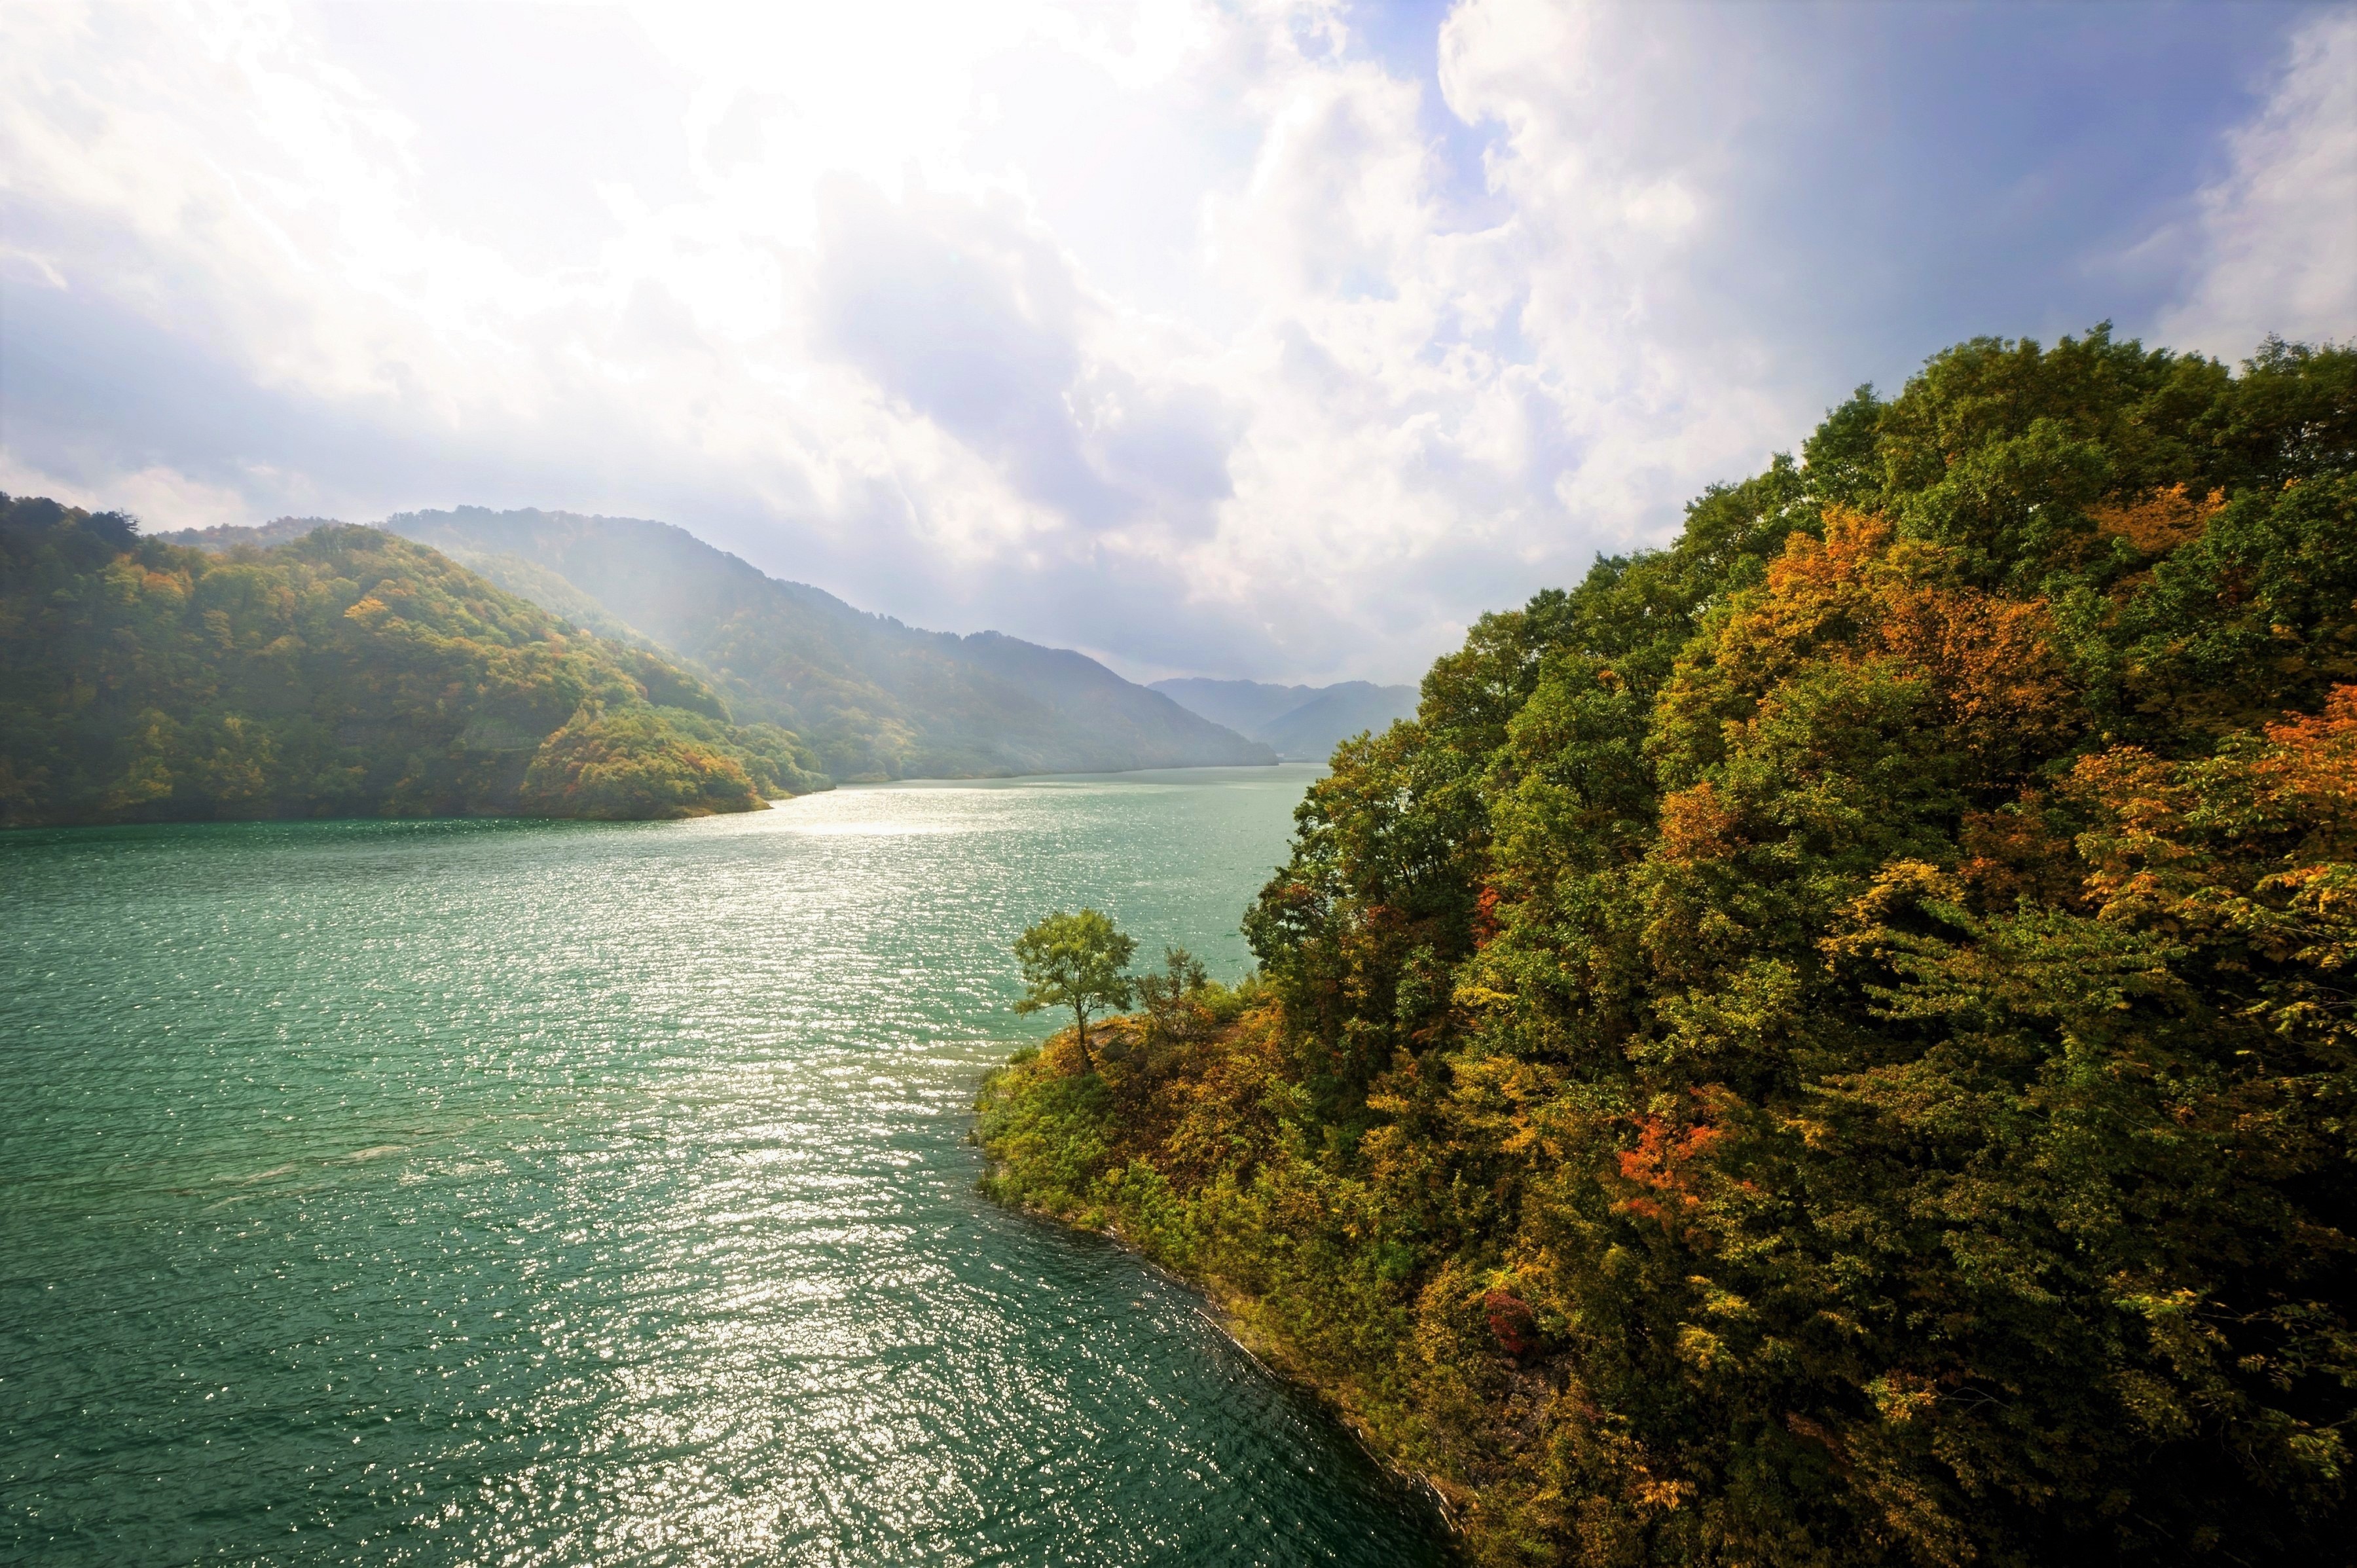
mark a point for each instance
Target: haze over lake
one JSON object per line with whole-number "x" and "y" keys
{"x": 528, "y": 1192}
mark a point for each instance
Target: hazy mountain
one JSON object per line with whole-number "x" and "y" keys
{"x": 1242, "y": 705}
{"x": 1299, "y": 722}
{"x": 872, "y": 697}
{"x": 1335, "y": 714}
{"x": 226, "y": 535}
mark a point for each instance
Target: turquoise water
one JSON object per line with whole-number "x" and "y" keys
{"x": 546, "y": 1193}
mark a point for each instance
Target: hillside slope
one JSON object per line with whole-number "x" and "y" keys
{"x": 1335, "y": 714}
{"x": 1299, "y": 722}
{"x": 873, "y": 697}
{"x": 346, "y": 672}
{"x": 1830, "y": 1045}
{"x": 1242, "y": 705}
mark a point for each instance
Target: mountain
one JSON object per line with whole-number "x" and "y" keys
{"x": 1352, "y": 707}
{"x": 874, "y": 698}
{"x": 343, "y": 672}
{"x": 1242, "y": 705}
{"x": 229, "y": 535}
{"x": 1299, "y": 722}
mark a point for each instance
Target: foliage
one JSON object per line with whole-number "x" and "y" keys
{"x": 1831, "y": 1043}
{"x": 343, "y": 673}
{"x": 1078, "y": 962}
{"x": 629, "y": 765}
{"x": 1175, "y": 999}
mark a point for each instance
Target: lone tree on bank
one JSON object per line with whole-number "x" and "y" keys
{"x": 1078, "y": 961}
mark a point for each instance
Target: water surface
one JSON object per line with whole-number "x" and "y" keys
{"x": 546, "y": 1193}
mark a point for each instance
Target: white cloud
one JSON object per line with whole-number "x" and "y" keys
{"x": 2276, "y": 242}
{"x": 163, "y": 497}
{"x": 1159, "y": 328}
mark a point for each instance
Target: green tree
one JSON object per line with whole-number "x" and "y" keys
{"x": 1078, "y": 962}
{"x": 1172, "y": 998}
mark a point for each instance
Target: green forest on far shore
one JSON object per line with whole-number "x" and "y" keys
{"x": 347, "y": 673}
{"x": 1834, "y": 1042}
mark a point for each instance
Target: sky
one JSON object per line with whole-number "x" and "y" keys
{"x": 1254, "y": 338}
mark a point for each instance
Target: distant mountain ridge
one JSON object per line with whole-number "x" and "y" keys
{"x": 873, "y": 698}
{"x": 1299, "y": 722}
{"x": 1242, "y": 705}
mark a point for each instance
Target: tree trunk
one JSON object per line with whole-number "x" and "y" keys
{"x": 1081, "y": 1018}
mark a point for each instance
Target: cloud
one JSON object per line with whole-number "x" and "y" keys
{"x": 1243, "y": 339}
{"x": 2276, "y": 238}
{"x": 969, "y": 313}
{"x": 152, "y": 493}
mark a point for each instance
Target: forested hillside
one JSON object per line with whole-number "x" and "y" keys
{"x": 874, "y": 698}
{"x": 1831, "y": 1043}
{"x": 345, "y": 673}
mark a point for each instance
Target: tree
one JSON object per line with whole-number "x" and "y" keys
{"x": 1172, "y": 997}
{"x": 1074, "y": 960}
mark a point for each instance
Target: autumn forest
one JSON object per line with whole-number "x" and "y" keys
{"x": 1831, "y": 1042}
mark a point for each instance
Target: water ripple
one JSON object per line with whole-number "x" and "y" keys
{"x": 492, "y": 1192}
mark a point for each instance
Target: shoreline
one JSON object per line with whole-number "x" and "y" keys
{"x": 1225, "y": 1309}
{"x": 1229, "y": 1326}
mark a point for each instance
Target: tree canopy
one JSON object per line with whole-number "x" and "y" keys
{"x": 1081, "y": 962}
{"x": 1831, "y": 1043}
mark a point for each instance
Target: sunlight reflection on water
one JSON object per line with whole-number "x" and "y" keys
{"x": 554, "y": 1193}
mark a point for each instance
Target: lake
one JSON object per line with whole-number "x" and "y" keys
{"x": 500, "y": 1192}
